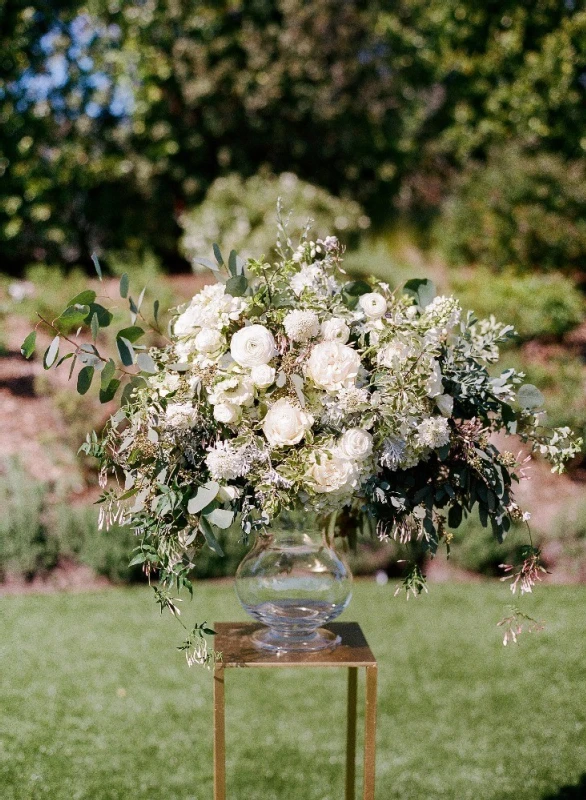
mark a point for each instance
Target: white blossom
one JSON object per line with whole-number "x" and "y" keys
{"x": 333, "y": 366}
{"x": 253, "y": 346}
{"x": 225, "y": 462}
{"x": 263, "y": 375}
{"x": 286, "y": 424}
{"x": 335, "y": 330}
{"x": 181, "y": 415}
{"x": 433, "y": 432}
{"x": 300, "y": 326}
{"x": 373, "y": 304}
{"x": 355, "y": 444}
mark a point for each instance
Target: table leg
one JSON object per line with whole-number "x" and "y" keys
{"x": 219, "y": 734}
{"x": 370, "y": 733}
{"x": 351, "y": 734}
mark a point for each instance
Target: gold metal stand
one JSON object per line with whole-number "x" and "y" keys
{"x": 233, "y": 641}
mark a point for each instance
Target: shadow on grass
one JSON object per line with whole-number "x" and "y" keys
{"x": 575, "y": 792}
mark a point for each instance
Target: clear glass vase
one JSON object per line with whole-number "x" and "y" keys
{"x": 293, "y": 581}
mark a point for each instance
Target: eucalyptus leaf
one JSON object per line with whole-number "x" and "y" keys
{"x": 73, "y": 315}
{"x": 218, "y": 254}
{"x": 221, "y": 518}
{"x": 210, "y": 537}
{"x": 529, "y": 396}
{"x": 95, "y": 326}
{"x": 422, "y": 289}
{"x": 84, "y": 298}
{"x": 146, "y": 364}
{"x": 237, "y": 286}
{"x": 232, "y": 265}
{"x": 205, "y": 495}
{"x": 28, "y": 346}
{"x": 126, "y": 351}
{"x": 84, "y": 379}
{"x": 104, "y": 316}
{"x": 132, "y": 334}
{"x": 206, "y": 262}
{"x": 97, "y": 266}
{"x": 108, "y": 392}
{"x": 51, "y": 353}
{"x": 124, "y": 284}
{"x": 156, "y": 305}
{"x": 108, "y": 373}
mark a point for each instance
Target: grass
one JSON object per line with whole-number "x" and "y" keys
{"x": 95, "y": 703}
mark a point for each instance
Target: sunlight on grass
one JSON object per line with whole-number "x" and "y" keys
{"x": 95, "y": 702}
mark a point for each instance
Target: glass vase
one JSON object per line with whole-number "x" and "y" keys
{"x": 293, "y": 582}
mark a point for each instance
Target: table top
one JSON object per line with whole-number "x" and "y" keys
{"x": 233, "y": 641}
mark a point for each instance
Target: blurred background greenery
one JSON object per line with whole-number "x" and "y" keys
{"x": 445, "y": 139}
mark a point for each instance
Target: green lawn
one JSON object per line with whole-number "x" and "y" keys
{"x": 95, "y": 703}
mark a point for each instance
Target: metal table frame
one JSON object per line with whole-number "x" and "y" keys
{"x": 233, "y": 641}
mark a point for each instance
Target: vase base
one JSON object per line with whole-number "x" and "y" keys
{"x": 321, "y": 639}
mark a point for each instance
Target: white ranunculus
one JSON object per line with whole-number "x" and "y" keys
{"x": 332, "y": 474}
{"x": 262, "y": 376}
{"x": 209, "y": 341}
{"x": 333, "y": 366}
{"x": 434, "y": 385}
{"x": 335, "y": 330}
{"x": 228, "y": 413}
{"x": 301, "y": 326}
{"x": 237, "y": 390}
{"x": 445, "y": 403}
{"x": 373, "y": 304}
{"x": 180, "y": 415}
{"x": 253, "y": 346}
{"x": 355, "y": 444}
{"x": 286, "y": 424}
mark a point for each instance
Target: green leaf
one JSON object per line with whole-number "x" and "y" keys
{"x": 124, "y": 284}
{"x": 140, "y": 299}
{"x": 232, "y": 265}
{"x": 84, "y": 379}
{"x": 131, "y": 334}
{"x": 206, "y": 262}
{"x": 529, "y": 396}
{"x": 97, "y": 265}
{"x": 218, "y": 254}
{"x": 73, "y": 315}
{"x": 237, "y": 286}
{"x": 107, "y": 393}
{"x": 210, "y": 537}
{"x": 357, "y": 288}
{"x": 51, "y": 353}
{"x": 205, "y": 495}
{"x": 83, "y": 298}
{"x": 220, "y": 518}
{"x": 28, "y": 346}
{"x": 422, "y": 289}
{"x": 95, "y": 326}
{"x": 126, "y": 351}
{"x": 104, "y": 316}
{"x": 146, "y": 364}
{"x": 455, "y": 516}
{"x": 107, "y": 373}
{"x": 156, "y": 305}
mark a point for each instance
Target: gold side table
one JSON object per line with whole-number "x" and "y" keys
{"x": 233, "y": 641}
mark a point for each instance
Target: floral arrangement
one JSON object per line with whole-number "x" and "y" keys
{"x": 287, "y": 381}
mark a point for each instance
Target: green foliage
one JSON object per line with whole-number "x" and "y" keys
{"x": 536, "y": 305}
{"x": 242, "y": 215}
{"x": 561, "y": 379}
{"x": 522, "y": 209}
{"x": 474, "y": 548}
{"x": 39, "y": 531}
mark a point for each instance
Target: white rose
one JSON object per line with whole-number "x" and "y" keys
{"x": 300, "y": 326}
{"x": 285, "y": 423}
{"x": 332, "y": 474}
{"x": 445, "y": 403}
{"x": 333, "y": 366}
{"x": 181, "y": 415}
{"x": 208, "y": 341}
{"x": 253, "y": 346}
{"x": 335, "y": 330}
{"x": 228, "y": 413}
{"x": 373, "y": 304}
{"x": 395, "y": 353}
{"x": 187, "y": 322}
{"x": 262, "y": 376}
{"x": 356, "y": 444}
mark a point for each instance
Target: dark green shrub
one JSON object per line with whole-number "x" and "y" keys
{"x": 475, "y": 549}
{"x": 537, "y": 305}
{"x": 519, "y": 209}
